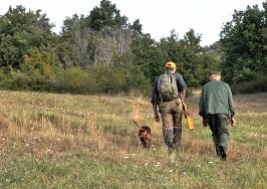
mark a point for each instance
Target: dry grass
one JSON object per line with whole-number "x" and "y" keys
{"x": 63, "y": 126}
{"x": 43, "y": 123}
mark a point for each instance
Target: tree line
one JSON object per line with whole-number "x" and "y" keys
{"x": 103, "y": 52}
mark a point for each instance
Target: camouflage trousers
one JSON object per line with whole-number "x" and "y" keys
{"x": 171, "y": 116}
{"x": 218, "y": 124}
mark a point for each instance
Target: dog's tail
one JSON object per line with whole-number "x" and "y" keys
{"x": 136, "y": 124}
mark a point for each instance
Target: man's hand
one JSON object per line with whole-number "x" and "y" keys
{"x": 185, "y": 107}
{"x": 156, "y": 116}
{"x": 232, "y": 121}
{"x": 204, "y": 122}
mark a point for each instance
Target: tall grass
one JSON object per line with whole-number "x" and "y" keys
{"x": 78, "y": 141}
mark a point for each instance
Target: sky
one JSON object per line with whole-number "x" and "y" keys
{"x": 158, "y": 17}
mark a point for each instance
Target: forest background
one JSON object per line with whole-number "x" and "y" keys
{"x": 103, "y": 53}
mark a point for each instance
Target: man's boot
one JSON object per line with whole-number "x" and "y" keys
{"x": 223, "y": 153}
{"x": 168, "y": 138}
{"x": 218, "y": 151}
{"x": 177, "y": 138}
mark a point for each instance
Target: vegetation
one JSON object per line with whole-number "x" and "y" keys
{"x": 77, "y": 141}
{"x": 98, "y": 48}
{"x": 104, "y": 46}
{"x": 53, "y": 140}
{"x": 243, "y": 42}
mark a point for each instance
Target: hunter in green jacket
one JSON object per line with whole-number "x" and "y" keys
{"x": 216, "y": 107}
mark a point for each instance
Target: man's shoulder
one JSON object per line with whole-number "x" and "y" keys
{"x": 157, "y": 78}
{"x": 223, "y": 84}
{"x": 164, "y": 74}
{"x": 212, "y": 84}
{"x": 206, "y": 85}
{"x": 177, "y": 74}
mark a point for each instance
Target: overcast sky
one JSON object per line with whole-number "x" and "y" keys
{"x": 158, "y": 17}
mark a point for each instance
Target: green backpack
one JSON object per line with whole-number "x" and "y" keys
{"x": 167, "y": 87}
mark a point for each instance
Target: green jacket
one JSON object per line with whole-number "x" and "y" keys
{"x": 216, "y": 98}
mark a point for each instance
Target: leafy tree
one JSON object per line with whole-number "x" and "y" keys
{"x": 136, "y": 27}
{"x": 20, "y": 31}
{"x": 192, "y": 60}
{"x": 101, "y": 37}
{"x": 106, "y": 16}
{"x": 73, "y": 47}
{"x": 94, "y": 50}
{"x": 41, "y": 62}
{"x": 243, "y": 42}
{"x": 215, "y": 49}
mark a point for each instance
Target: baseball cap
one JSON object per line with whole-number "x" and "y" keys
{"x": 170, "y": 65}
{"x": 215, "y": 72}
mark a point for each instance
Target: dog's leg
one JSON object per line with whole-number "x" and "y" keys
{"x": 143, "y": 141}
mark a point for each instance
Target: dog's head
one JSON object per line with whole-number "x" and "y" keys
{"x": 144, "y": 131}
{"x": 144, "y": 135}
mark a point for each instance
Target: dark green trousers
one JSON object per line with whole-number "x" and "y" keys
{"x": 218, "y": 124}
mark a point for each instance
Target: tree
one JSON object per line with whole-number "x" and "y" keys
{"x": 102, "y": 37}
{"x": 41, "y": 62}
{"x": 20, "y": 31}
{"x": 106, "y": 16}
{"x": 243, "y": 42}
{"x": 192, "y": 60}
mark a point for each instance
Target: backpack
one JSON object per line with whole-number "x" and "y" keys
{"x": 167, "y": 87}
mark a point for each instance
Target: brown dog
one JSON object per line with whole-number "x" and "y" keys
{"x": 144, "y": 135}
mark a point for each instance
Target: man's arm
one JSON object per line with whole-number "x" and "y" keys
{"x": 201, "y": 108}
{"x": 231, "y": 106}
{"x": 182, "y": 94}
{"x": 200, "y": 104}
{"x": 181, "y": 84}
{"x": 231, "y": 101}
{"x": 154, "y": 100}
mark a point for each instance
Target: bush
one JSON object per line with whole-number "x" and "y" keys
{"x": 257, "y": 85}
{"x": 75, "y": 80}
{"x": 98, "y": 79}
{"x": 102, "y": 79}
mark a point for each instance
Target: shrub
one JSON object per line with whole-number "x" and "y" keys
{"x": 257, "y": 85}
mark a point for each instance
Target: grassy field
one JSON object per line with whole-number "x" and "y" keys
{"x": 78, "y": 141}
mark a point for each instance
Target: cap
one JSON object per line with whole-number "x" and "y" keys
{"x": 215, "y": 72}
{"x": 170, "y": 65}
